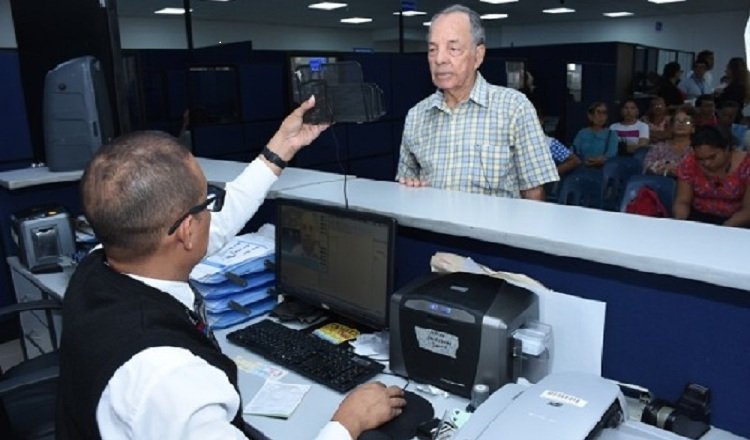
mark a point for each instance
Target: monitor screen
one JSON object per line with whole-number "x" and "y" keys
{"x": 337, "y": 259}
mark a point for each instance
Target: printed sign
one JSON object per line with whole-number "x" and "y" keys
{"x": 436, "y": 341}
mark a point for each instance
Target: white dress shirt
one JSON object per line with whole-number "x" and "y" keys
{"x": 168, "y": 393}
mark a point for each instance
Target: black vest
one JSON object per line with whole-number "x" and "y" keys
{"x": 109, "y": 317}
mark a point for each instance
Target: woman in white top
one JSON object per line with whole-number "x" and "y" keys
{"x": 632, "y": 132}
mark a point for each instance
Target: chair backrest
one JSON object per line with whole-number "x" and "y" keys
{"x": 28, "y": 391}
{"x": 582, "y": 187}
{"x": 640, "y": 154}
{"x": 615, "y": 174}
{"x": 665, "y": 187}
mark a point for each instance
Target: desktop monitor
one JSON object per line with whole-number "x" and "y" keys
{"x": 337, "y": 259}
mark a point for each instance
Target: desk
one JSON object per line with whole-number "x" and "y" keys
{"x": 678, "y": 308}
{"x": 27, "y": 177}
{"x": 569, "y": 231}
{"x": 316, "y": 407}
{"x": 222, "y": 171}
{"x": 319, "y": 403}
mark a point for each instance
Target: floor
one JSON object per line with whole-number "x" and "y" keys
{"x": 11, "y": 354}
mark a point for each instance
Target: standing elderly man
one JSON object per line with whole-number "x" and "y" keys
{"x": 135, "y": 359}
{"x": 471, "y": 135}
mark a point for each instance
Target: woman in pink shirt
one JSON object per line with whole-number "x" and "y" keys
{"x": 712, "y": 185}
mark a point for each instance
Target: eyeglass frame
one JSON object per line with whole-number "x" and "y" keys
{"x": 213, "y": 203}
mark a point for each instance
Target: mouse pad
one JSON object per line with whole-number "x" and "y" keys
{"x": 403, "y": 427}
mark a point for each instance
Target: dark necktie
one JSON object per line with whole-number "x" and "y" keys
{"x": 199, "y": 310}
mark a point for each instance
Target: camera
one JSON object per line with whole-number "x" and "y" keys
{"x": 689, "y": 417}
{"x": 340, "y": 93}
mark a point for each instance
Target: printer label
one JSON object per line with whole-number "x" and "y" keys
{"x": 436, "y": 341}
{"x": 562, "y": 397}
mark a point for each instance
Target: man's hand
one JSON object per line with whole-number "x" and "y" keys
{"x": 412, "y": 181}
{"x": 293, "y": 134}
{"x": 368, "y": 407}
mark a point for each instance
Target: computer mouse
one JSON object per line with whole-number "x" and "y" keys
{"x": 404, "y": 427}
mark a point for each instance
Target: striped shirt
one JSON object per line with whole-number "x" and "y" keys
{"x": 492, "y": 143}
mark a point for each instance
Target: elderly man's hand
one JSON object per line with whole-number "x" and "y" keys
{"x": 412, "y": 181}
{"x": 368, "y": 407}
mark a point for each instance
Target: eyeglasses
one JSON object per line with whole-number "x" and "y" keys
{"x": 683, "y": 121}
{"x": 214, "y": 202}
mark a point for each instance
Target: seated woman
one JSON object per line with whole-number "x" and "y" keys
{"x": 664, "y": 157}
{"x": 658, "y": 121}
{"x": 712, "y": 185}
{"x": 596, "y": 143}
{"x": 632, "y": 132}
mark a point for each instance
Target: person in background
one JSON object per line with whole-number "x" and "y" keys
{"x": 596, "y": 143}
{"x": 664, "y": 157}
{"x": 694, "y": 85}
{"x": 736, "y": 133}
{"x": 136, "y": 360}
{"x": 712, "y": 182}
{"x": 738, "y": 85}
{"x": 471, "y": 135}
{"x": 565, "y": 160}
{"x": 705, "y": 111}
{"x": 706, "y": 56}
{"x": 658, "y": 121}
{"x": 632, "y": 132}
{"x": 667, "y": 87}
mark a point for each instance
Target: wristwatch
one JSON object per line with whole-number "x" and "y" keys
{"x": 273, "y": 158}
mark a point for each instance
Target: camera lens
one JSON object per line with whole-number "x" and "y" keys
{"x": 659, "y": 413}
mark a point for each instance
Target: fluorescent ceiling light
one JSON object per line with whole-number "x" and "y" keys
{"x": 410, "y": 13}
{"x": 493, "y": 16}
{"x": 497, "y": 2}
{"x": 356, "y": 20}
{"x": 426, "y": 23}
{"x": 170, "y": 11}
{"x": 618, "y": 14}
{"x": 665, "y": 1}
{"x": 327, "y": 6}
{"x": 558, "y": 11}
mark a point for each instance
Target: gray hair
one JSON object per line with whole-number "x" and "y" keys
{"x": 477, "y": 30}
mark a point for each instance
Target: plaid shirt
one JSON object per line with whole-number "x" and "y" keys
{"x": 560, "y": 152}
{"x": 491, "y": 144}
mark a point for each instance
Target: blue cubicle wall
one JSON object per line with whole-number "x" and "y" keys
{"x": 15, "y": 142}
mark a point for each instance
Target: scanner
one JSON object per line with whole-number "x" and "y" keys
{"x": 561, "y": 406}
{"x": 455, "y": 330}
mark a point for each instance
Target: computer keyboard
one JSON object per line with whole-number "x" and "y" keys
{"x": 327, "y": 364}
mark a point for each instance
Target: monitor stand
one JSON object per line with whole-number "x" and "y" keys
{"x": 294, "y": 310}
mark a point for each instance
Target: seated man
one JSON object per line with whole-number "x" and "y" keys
{"x": 136, "y": 361}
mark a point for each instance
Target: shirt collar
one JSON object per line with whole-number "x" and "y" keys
{"x": 479, "y": 94}
{"x": 179, "y": 290}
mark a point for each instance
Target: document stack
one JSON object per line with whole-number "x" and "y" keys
{"x": 236, "y": 281}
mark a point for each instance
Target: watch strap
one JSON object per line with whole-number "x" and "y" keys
{"x": 273, "y": 158}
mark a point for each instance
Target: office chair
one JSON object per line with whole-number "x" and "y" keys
{"x": 28, "y": 391}
{"x": 664, "y": 186}
{"x": 582, "y": 187}
{"x": 615, "y": 175}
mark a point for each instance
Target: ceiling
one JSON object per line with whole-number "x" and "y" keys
{"x": 295, "y": 12}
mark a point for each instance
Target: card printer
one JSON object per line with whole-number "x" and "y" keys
{"x": 562, "y": 406}
{"x": 43, "y": 234}
{"x": 455, "y": 330}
